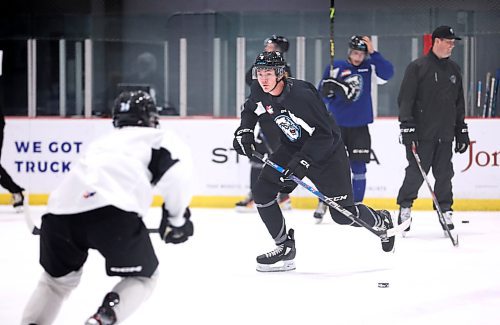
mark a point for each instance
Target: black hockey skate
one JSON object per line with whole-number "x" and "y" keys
{"x": 279, "y": 259}
{"x": 388, "y": 242}
{"x": 105, "y": 314}
{"x": 320, "y": 211}
{"x": 404, "y": 214}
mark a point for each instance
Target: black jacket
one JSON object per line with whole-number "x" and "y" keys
{"x": 307, "y": 127}
{"x": 432, "y": 97}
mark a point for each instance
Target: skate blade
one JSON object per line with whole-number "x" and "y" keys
{"x": 404, "y": 234}
{"x": 19, "y": 209}
{"x": 318, "y": 220}
{"x": 285, "y": 266}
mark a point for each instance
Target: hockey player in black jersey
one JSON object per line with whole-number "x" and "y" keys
{"x": 310, "y": 146}
{"x": 267, "y": 133}
{"x": 99, "y": 205}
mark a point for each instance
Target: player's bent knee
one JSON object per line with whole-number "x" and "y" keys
{"x": 341, "y": 219}
{"x": 63, "y": 285}
{"x": 264, "y": 192}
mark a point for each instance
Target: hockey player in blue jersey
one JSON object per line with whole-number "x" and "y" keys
{"x": 348, "y": 97}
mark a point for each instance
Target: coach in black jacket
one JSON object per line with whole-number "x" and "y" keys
{"x": 431, "y": 112}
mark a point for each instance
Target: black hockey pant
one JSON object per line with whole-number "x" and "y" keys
{"x": 332, "y": 178}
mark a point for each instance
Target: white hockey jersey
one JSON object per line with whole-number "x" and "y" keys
{"x": 121, "y": 169}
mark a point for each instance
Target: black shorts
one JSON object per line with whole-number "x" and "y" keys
{"x": 121, "y": 237}
{"x": 332, "y": 177}
{"x": 358, "y": 142}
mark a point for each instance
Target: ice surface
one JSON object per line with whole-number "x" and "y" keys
{"x": 211, "y": 279}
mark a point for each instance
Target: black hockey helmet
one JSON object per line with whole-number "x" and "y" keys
{"x": 357, "y": 43}
{"x": 269, "y": 60}
{"x": 280, "y": 41}
{"x": 135, "y": 108}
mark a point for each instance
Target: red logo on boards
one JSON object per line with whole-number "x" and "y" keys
{"x": 481, "y": 158}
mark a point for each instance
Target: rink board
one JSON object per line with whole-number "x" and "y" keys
{"x": 39, "y": 152}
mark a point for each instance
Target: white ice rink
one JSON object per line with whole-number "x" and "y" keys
{"x": 211, "y": 279}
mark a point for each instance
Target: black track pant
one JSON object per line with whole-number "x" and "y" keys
{"x": 432, "y": 154}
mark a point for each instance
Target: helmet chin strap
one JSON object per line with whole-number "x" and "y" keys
{"x": 276, "y": 85}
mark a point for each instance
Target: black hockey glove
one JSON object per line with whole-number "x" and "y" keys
{"x": 330, "y": 87}
{"x": 298, "y": 167}
{"x": 408, "y": 133}
{"x": 175, "y": 235}
{"x": 244, "y": 141}
{"x": 461, "y": 138}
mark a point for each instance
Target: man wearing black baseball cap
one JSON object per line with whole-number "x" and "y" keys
{"x": 444, "y": 32}
{"x": 431, "y": 113}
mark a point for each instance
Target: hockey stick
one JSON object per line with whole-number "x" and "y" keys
{"x": 331, "y": 203}
{"x": 332, "y": 42}
{"x": 486, "y": 94}
{"x": 434, "y": 199}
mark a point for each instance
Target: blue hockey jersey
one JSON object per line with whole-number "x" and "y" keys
{"x": 359, "y": 112}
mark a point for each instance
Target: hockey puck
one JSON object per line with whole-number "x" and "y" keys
{"x": 383, "y": 284}
{"x": 465, "y": 221}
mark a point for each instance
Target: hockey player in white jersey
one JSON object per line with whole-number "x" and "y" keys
{"x": 99, "y": 205}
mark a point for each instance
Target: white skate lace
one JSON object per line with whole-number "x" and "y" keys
{"x": 276, "y": 251}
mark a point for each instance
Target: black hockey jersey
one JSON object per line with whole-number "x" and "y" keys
{"x": 306, "y": 125}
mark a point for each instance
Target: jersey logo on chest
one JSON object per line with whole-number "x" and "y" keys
{"x": 288, "y": 127}
{"x": 356, "y": 81}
